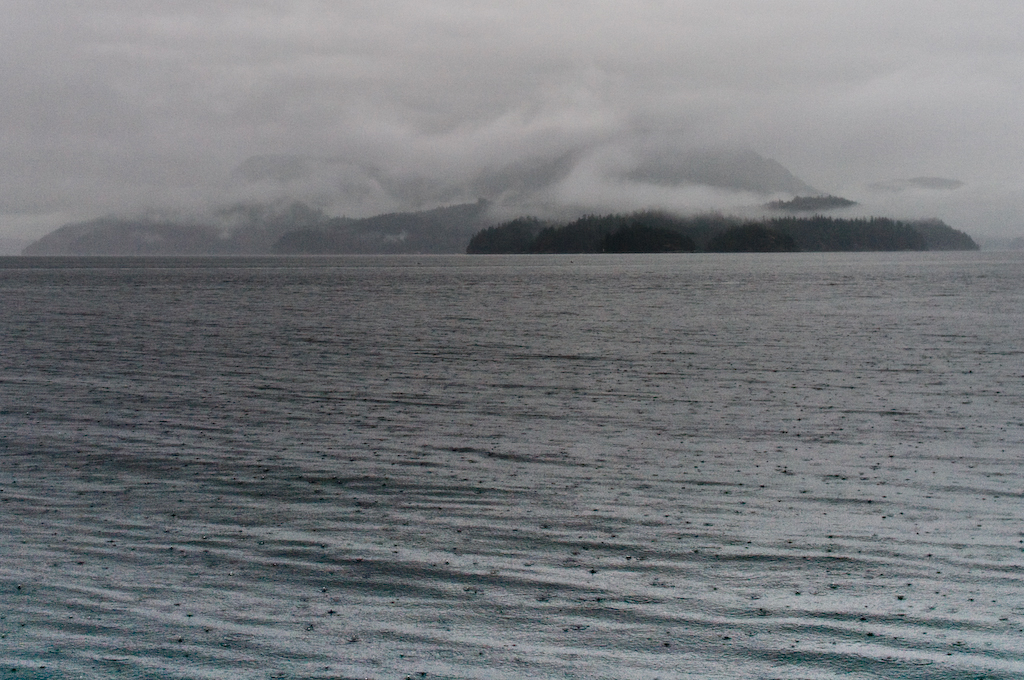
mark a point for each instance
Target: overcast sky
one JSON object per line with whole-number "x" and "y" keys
{"x": 111, "y": 106}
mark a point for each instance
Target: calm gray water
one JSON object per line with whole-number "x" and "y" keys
{"x": 699, "y": 466}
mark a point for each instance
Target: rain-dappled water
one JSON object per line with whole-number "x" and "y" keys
{"x": 697, "y": 466}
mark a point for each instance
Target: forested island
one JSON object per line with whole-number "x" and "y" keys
{"x": 656, "y": 232}
{"x": 813, "y": 204}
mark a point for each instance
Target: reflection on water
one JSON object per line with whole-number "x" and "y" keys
{"x": 784, "y": 466}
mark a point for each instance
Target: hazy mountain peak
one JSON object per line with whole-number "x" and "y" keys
{"x": 356, "y": 189}
{"x": 738, "y": 169}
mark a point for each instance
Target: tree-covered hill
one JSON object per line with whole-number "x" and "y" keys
{"x": 441, "y": 230}
{"x": 645, "y": 238}
{"x": 752, "y": 238}
{"x": 832, "y": 234}
{"x": 512, "y": 237}
{"x": 241, "y": 229}
{"x": 940, "y": 236}
{"x": 660, "y": 232}
{"x": 117, "y": 236}
{"x": 642, "y": 232}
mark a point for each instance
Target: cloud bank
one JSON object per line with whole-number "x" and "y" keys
{"x": 113, "y": 106}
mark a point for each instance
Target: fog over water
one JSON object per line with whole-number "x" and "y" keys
{"x": 750, "y": 466}
{"x": 364, "y": 108}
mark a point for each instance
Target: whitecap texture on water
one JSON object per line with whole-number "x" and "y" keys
{"x": 769, "y": 466}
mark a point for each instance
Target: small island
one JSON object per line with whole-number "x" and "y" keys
{"x": 657, "y": 232}
{"x": 812, "y": 204}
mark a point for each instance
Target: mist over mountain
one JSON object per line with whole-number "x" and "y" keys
{"x": 439, "y": 231}
{"x": 259, "y": 229}
{"x": 363, "y": 109}
{"x": 303, "y": 204}
{"x": 585, "y": 177}
{"x": 323, "y": 199}
{"x": 120, "y": 236}
{"x": 741, "y": 170}
{"x": 241, "y": 229}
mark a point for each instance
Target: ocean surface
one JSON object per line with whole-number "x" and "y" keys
{"x": 792, "y": 466}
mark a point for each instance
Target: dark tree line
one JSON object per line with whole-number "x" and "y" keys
{"x": 752, "y": 238}
{"x": 940, "y": 236}
{"x": 821, "y": 234}
{"x": 643, "y": 232}
{"x": 643, "y": 238}
{"x": 510, "y": 238}
{"x": 811, "y": 204}
{"x": 648, "y": 232}
{"x": 653, "y": 232}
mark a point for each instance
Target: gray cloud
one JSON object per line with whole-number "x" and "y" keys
{"x": 918, "y": 184}
{"x": 111, "y": 106}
